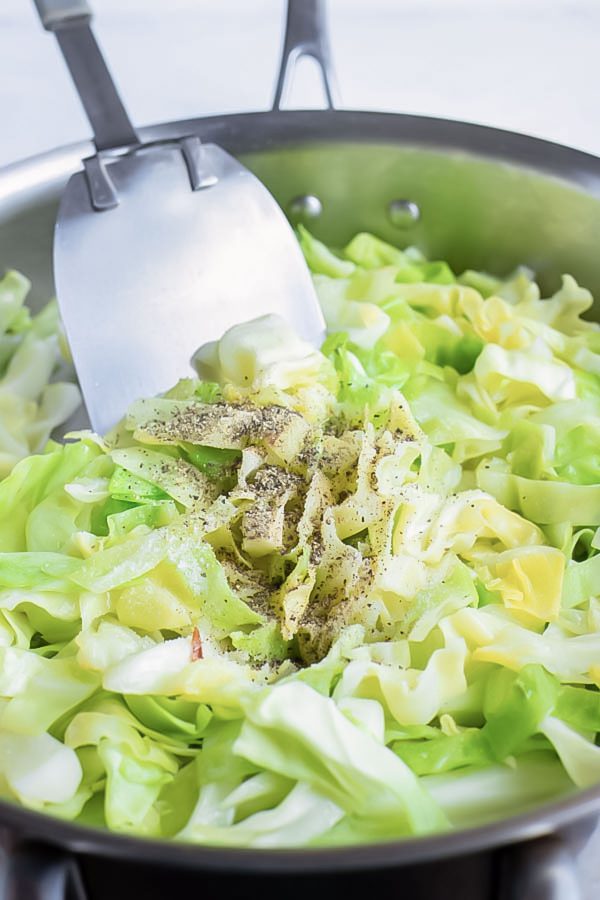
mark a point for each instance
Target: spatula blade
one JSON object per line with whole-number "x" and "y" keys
{"x": 142, "y": 285}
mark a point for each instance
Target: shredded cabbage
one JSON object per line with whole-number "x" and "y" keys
{"x": 312, "y": 598}
{"x": 31, "y": 354}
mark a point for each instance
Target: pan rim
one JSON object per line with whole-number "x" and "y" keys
{"x": 264, "y": 131}
{"x": 538, "y": 822}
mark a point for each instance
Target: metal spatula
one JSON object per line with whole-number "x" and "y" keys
{"x": 159, "y": 247}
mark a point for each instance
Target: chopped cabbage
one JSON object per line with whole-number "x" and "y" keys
{"x": 30, "y": 356}
{"x": 314, "y": 597}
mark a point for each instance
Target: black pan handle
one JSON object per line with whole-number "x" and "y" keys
{"x": 544, "y": 869}
{"x": 41, "y": 873}
{"x": 306, "y": 34}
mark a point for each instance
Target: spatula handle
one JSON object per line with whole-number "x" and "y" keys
{"x": 70, "y": 22}
{"x": 55, "y": 13}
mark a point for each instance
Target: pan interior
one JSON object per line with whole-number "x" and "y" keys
{"x": 474, "y": 212}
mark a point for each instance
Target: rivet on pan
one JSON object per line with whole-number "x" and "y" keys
{"x": 403, "y": 213}
{"x": 304, "y": 208}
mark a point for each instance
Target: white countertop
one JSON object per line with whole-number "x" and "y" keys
{"x": 527, "y": 65}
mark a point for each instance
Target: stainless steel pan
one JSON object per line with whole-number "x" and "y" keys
{"x": 477, "y": 196}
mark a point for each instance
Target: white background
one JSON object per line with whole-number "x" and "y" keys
{"x": 529, "y": 65}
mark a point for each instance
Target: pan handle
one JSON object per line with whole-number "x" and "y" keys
{"x": 306, "y": 34}
{"x": 37, "y": 872}
{"x": 70, "y": 22}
